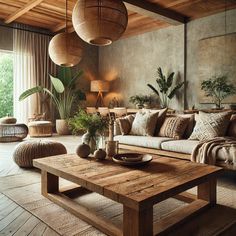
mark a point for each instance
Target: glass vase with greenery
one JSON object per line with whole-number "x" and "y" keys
{"x": 218, "y": 88}
{"x": 140, "y": 100}
{"x": 93, "y": 124}
{"x": 165, "y": 90}
{"x": 64, "y": 92}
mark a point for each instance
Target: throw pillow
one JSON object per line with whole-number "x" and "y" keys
{"x": 174, "y": 127}
{"x": 210, "y": 125}
{"x": 144, "y": 123}
{"x": 160, "y": 119}
{"x": 190, "y": 125}
{"x": 125, "y": 124}
{"x": 232, "y": 127}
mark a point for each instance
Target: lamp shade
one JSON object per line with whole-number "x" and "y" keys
{"x": 65, "y": 49}
{"x": 99, "y": 86}
{"x": 100, "y": 22}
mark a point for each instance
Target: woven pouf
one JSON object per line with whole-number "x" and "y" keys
{"x": 27, "y": 151}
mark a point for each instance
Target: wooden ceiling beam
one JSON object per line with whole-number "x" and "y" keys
{"x": 22, "y": 11}
{"x": 154, "y": 11}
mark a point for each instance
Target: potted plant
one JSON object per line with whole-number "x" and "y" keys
{"x": 140, "y": 100}
{"x": 218, "y": 88}
{"x": 165, "y": 90}
{"x": 93, "y": 124}
{"x": 64, "y": 94}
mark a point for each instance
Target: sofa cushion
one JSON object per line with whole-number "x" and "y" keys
{"x": 125, "y": 124}
{"x": 231, "y": 131}
{"x": 174, "y": 127}
{"x": 160, "y": 119}
{"x": 142, "y": 141}
{"x": 191, "y": 123}
{"x": 144, "y": 123}
{"x": 210, "y": 125}
{"x": 182, "y": 146}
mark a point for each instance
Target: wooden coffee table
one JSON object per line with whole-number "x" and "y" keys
{"x": 138, "y": 189}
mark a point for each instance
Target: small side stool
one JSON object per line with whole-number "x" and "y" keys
{"x": 40, "y": 128}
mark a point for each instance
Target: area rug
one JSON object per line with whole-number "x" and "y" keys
{"x": 24, "y": 189}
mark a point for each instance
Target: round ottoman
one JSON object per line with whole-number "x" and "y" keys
{"x": 40, "y": 128}
{"x": 27, "y": 151}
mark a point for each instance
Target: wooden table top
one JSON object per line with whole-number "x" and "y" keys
{"x": 135, "y": 187}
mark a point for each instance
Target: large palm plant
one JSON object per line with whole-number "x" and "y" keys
{"x": 165, "y": 90}
{"x": 64, "y": 92}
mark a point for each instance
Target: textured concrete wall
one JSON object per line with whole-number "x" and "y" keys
{"x": 199, "y": 29}
{"x": 133, "y": 61}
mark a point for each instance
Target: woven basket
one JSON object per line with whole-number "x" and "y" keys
{"x": 12, "y": 132}
{"x": 27, "y": 151}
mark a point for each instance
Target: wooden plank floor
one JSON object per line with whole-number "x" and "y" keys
{"x": 14, "y": 220}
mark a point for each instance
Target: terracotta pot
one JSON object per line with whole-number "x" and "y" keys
{"x": 62, "y": 127}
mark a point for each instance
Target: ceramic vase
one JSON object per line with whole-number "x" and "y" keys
{"x": 83, "y": 150}
{"x": 100, "y": 154}
{"x": 92, "y": 140}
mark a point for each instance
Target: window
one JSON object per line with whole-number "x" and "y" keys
{"x": 6, "y": 83}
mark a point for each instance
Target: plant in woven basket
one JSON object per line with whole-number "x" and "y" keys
{"x": 218, "y": 88}
{"x": 165, "y": 90}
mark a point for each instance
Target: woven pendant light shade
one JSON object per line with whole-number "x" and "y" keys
{"x": 65, "y": 49}
{"x": 100, "y": 22}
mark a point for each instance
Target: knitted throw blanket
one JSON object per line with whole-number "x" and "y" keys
{"x": 206, "y": 151}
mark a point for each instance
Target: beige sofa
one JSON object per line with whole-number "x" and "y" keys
{"x": 169, "y": 147}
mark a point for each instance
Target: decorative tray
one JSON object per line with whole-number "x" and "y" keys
{"x": 132, "y": 159}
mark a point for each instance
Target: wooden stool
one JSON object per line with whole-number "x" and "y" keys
{"x": 40, "y": 128}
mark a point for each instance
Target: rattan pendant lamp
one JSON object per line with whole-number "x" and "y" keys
{"x": 100, "y": 22}
{"x": 66, "y": 49}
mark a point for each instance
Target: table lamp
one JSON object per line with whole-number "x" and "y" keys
{"x": 99, "y": 86}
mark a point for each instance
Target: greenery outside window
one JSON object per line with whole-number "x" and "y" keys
{"x": 6, "y": 83}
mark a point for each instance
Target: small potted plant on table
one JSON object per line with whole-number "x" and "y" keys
{"x": 93, "y": 124}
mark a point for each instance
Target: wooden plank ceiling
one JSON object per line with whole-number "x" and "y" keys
{"x": 50, "y": 14}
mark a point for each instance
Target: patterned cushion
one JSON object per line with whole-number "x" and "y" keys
{"x": 144, "y": 123}
{"x": 210, "y": 125}
{"x": 125, "y": 124}
{"x": 174, "y": 127}
{"x": 190, "y": 126}
{"x": 232, "y": 127}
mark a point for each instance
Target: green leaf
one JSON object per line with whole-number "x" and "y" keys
{"x": 57, "y": 84}
{"x": 173, "y": 92}
{"x": 77, "y": 75}
{"x": 29, "y": 92}
{"x": 153, "y": 89}
{"x": 170, "y": 79}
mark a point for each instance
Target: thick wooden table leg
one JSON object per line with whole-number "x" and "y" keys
{"x": 49, "y": 183}
{"x": 137, "y": 223}
{"x": 207, "y": 191}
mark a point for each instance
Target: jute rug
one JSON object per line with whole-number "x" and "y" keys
{"x": 24, "y": 189}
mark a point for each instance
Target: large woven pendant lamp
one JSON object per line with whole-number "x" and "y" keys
{"x": 100, "y": 22}
{"x": 66, "y": 49}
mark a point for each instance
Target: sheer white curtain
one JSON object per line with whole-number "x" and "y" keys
{"x": 31, "y": 67}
